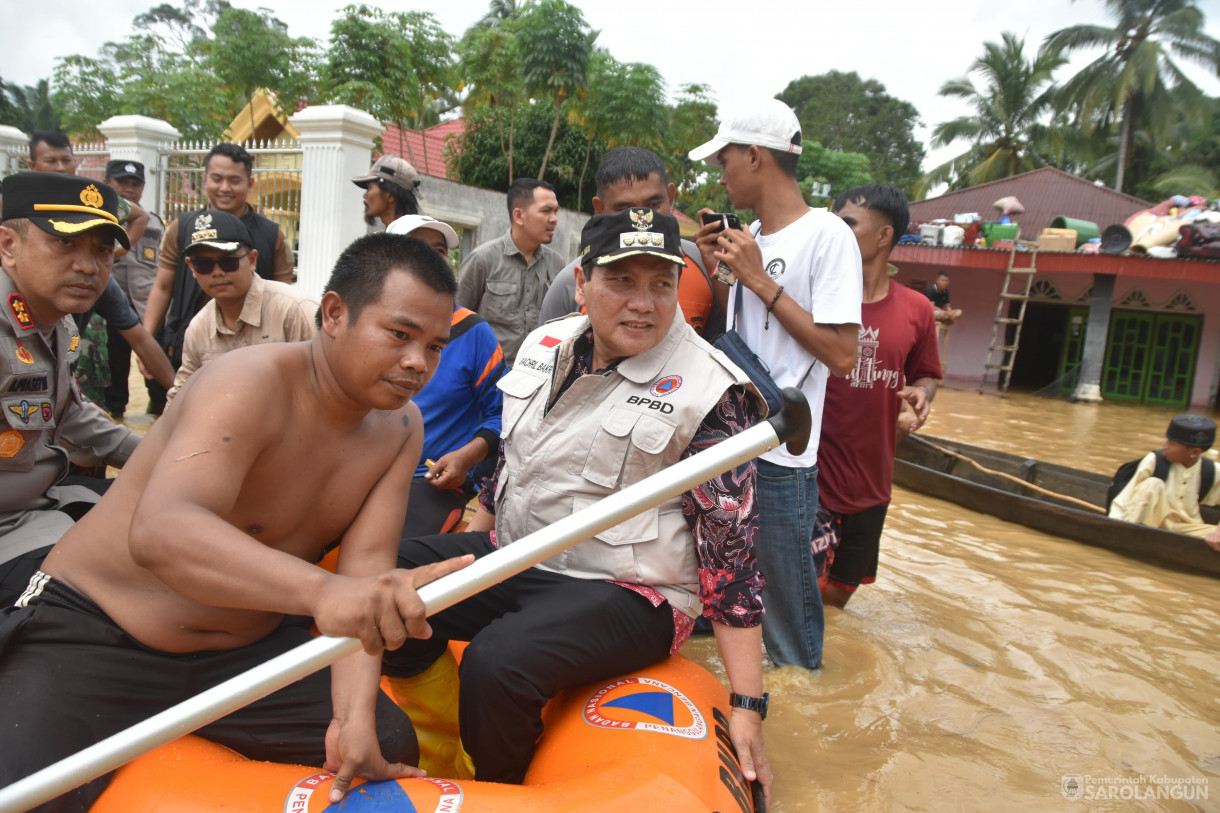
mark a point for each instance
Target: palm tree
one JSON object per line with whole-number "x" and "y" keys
{"x": 1130, "y": 84}
{"x": 1006, "y": 128}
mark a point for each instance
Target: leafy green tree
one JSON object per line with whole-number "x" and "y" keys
{"x": 193, "y": 65}
{"x": 823, "y": 173}
{"x": 1128, "y": 87}
{"x": 252, "y": 49}
{"x": 397, "y": 66}
{"x": 489, "y": 56}
{"x": 1006, "y": 130}
{"x": 33, "y": 106}
{"x": 555, "y": 42}
{"x": 843, "y": 112}
{"x": 8, "y": 111}
{"x": 474, "y": 158}
{"x": 692, "y": 121}
{"x": 625, "y": 104}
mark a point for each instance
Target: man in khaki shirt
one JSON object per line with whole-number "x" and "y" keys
{"x": 245, "y": 308}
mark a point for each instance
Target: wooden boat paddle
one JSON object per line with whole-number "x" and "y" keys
{"x": 792, "y": 425}
{"x": 1025, "y": 483}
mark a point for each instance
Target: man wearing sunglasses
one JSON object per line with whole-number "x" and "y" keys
{"x": 245, "y": 308}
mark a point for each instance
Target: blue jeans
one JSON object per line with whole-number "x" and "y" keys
{"x": 794, "y": 623}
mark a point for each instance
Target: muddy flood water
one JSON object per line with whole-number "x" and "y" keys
{"x": 989, "y": 661}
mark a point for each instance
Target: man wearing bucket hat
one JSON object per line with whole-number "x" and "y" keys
{"x": 245, "y": 309}
{"x": 391, "y": 190}
{"x": 1169, "y": 485}
{"x": 593, "y": 404}
{"x": 798, "y": 273}
{"x": 461, "y": 406}
{"x": 57, "y": 239}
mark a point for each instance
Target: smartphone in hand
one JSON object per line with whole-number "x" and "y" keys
{"x": 726, "y": 220}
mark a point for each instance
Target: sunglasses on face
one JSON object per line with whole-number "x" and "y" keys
{"x": 203, "y": 265}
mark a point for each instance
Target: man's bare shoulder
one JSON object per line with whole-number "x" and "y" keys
{"x": 259, "y": 377}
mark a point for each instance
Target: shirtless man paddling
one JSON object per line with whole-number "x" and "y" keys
{"x": 184, "y": 574}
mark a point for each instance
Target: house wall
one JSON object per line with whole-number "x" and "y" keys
{"x": 481, "y": 215}
{"x": 976, "y": 292}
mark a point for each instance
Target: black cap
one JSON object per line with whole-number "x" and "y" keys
{"x": 121, "y": 168}
{"x": 62, "y": 205}
{"x": 609, "y": 238}
{"x": 219, "y": 230}
{"x": 1192, "y": 430}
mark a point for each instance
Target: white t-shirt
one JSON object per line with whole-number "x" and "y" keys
{"x": 817, "y": 261}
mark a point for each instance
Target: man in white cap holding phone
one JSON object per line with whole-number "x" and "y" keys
{"x": 799, "y": 274}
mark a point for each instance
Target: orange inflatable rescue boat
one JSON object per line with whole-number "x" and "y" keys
{"x": 651, "y": 740}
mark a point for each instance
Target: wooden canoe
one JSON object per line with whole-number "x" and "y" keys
{"x": 1047, "y": 499}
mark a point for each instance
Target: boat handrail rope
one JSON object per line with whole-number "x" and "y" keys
{"x": 791, "y": 425}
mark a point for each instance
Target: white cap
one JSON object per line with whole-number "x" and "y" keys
{"x": 765, "y": 123}
{"x": 409, "y": 223}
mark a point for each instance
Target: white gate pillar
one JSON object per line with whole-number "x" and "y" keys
{"x": 336, "y": 145}
{"x": 141, "y": 138}
{"x": 12, "y": 142}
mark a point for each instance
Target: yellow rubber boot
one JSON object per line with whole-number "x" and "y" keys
{"x": 430, "y": 699}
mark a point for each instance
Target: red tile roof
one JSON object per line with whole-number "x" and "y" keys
{"x": 1045, "y": 193}
{"x": 410, "y": 144}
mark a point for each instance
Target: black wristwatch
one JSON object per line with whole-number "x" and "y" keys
{"x": 744, "y": 701}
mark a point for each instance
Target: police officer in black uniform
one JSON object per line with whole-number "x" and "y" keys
{"x": 57, "y": 239}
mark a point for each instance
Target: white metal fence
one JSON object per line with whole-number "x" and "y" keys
{"x": 275, "y": 192}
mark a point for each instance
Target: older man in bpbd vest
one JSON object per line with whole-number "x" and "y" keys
{"x": 591, "y": 405}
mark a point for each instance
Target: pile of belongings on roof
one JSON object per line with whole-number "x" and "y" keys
{"x": 1178, "y": 227}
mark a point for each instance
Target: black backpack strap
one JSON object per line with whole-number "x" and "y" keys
{"x": 1207, "y": 477}
{"x": 1161, "y": 470}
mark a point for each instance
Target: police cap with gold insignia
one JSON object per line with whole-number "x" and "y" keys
{"x": 62, "y": 205}
{"x": 632, "y": 232}
{"x": 219, "y": 230}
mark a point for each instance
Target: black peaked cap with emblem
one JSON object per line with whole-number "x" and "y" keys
{"x": 1192, "y": 430}
{"x": 123, "y": 168}
{"x": 632, "y": 232}
{"x": 62, "y": 205}
{"x": 219, "y": 230}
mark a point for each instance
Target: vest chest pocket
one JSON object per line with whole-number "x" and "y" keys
{"x": 626, "y": 447}
{"x": 518, "y": 387}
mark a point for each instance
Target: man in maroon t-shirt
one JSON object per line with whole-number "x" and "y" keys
{"x": 898, "y": 362}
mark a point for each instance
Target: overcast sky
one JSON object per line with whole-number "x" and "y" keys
{"x": 740, "y": 48}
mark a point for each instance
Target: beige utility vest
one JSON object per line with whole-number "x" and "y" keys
{"x": 603, "y": 434}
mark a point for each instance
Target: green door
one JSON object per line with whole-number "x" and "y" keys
{"x": 1073, "y": 346}
{"x": 1126, "y": 367}
{"x": 1150, "y": 357}
{"x": 1171, "y": 364}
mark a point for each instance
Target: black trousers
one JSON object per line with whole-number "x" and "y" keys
{"x": 70, "y": 677}
{"x": 431, "y": 510}
{"x": 117, "y": 393}
{"x": 531, "y": 636}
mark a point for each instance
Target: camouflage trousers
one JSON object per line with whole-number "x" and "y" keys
{"x": 93, "y": 364}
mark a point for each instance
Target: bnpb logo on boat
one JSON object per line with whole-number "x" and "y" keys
{"x": 644, "y": 704}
